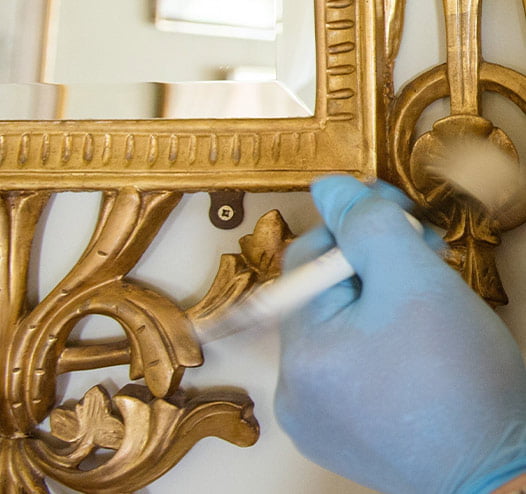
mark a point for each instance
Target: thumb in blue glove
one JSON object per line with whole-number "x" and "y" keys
{"x": 406, "y": 382}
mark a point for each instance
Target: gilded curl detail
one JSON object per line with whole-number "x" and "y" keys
{"x": 149, "y": 427}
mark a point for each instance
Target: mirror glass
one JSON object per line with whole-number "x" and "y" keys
{"x": 142, "y": 59}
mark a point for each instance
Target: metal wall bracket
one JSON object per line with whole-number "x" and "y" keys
{"x": 226, "y": 208}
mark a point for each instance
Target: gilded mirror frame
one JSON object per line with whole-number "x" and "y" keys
{"x": 208, "y": 154}
{"x": 143, "y": 168}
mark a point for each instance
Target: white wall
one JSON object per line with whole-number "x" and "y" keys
{"x": 182, "y": 264}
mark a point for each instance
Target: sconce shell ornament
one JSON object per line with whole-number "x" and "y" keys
{"x": 150, "y": 427}
{"x": 470, "y": 232}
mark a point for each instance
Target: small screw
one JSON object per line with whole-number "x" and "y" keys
{"x": 225, "y": 213}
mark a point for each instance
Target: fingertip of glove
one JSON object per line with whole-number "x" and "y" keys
{"x": 337, "y": 192}
{"x": 328, "y": 184}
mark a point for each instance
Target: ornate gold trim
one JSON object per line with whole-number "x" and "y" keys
{"x": 197, "y": 154}
{"x": 150, "y": 427}
{"x": 471, "y": 233}
{"x": 144, "y": 167}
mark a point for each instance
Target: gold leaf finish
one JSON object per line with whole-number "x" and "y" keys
{"x": 262, "y": 251}
{"x": 471, "y": 234}
{"x": 150, "y": 427}
{"x": 259, "y": 261}
{"x": 394, "y": 16}
{"x": 90, "y": 425}
{"x": 394, "y": 25}
{"x": 157, "y": 433}
{"x": 17, "y": 470}
{"x": 252, "y": 154}
{"x": 143, "y": 168}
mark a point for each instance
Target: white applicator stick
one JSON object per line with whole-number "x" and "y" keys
{"x": 477, "y": 167}
{"x": 285, "y": 294}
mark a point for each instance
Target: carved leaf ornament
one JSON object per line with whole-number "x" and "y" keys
{"x": 90, "y": 424}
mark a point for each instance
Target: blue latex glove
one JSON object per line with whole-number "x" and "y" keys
{"x": 416, "y": 387}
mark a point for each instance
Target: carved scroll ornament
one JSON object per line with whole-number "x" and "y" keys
{"x": 149, "y": 427}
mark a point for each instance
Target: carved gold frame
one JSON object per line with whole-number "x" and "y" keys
{"x": 143, "y": 168}
{"x": 360, "y": 126}
{"x": 204, "y": 154}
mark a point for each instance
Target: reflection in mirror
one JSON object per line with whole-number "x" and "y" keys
{"x": 254, "y": 19}
{"x": 94, "y": 59}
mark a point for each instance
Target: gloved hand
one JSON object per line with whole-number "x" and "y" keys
{"x": 415, "y": 387}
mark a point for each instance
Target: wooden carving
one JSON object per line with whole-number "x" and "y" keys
{"x": 149, "y": 427}
{"x": 471, "y": 233}
{"x": 197, "y": 154}
{"x": 144, "y": 168}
